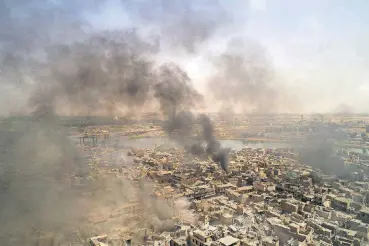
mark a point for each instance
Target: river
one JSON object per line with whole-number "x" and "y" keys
{"x": 152, "y": 142}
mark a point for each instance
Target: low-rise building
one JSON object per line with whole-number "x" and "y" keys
{"x": 201, "y": 238}
{"x": 341, "y": 203}
{"x": 289, "y": 207}
{"x": 229, "y": 241}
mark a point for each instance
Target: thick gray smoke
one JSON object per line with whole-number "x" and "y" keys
{"x": 53, "y": 62}
{"x": 36, "y": 160}
{"x": 244, "y": 77}
{"x": 318, "y": 149}
{"x": 175, "y": 91}
{"x": 158, "y": 212}
{"x": 109, "y": 73}
{"x": 100, "y": 75}
{"x": 36, "y": 164}
{"x": 112, "y": 193}
{"x": 181, "y": 24}
{"x": 182, "y": 127}
{"x": 219, "y": 154}
{"x": 44, "y": 36}
{"x": 27, "y": 29}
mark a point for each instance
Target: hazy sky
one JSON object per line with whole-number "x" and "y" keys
{"x": 319, "y": 47}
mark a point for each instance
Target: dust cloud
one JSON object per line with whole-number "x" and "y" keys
{"x": 54, "y": 62}
{"x": 244, "y": 77}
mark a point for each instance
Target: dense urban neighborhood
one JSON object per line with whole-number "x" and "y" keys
{"x": 152, "y": 191}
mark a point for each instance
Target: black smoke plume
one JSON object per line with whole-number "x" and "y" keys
{"x": 206, "y": 144}
{"x": 181, "y": 129}
{"x": 213, "y": 148}
{"x": 53, "y": 62}
{"x": 100, "y": 75}
{"x": 42, "y": 37}
{"x": 175, "y": 92}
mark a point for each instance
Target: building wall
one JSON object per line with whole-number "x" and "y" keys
{"x": 363, "y": 216}
{"x": 324, "y": 214}
{"x": 174, "y": 243}
{"x": 340, "y": 204}
{"x": 199, "y": 240}
{"x": 289, "y": 207}
{"x": 361, "y": 228}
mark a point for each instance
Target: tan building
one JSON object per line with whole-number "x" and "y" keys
{"x": 99, "y": 240}
{"x": 263, "y": 186}
{"x": 341, "y": 203}
{"x": 201, "y": 238}
{"x": 363, "y": 215}
{"x": 229, "y": 241}
{"x": 226, "y": 218}
{"x": 178, "y": 242}
{"x": 361, "y": 228}
{"x": 289, "y": 207}
{"x": 221, "y": 188}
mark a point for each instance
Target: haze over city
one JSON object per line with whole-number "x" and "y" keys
{"x": 184, "y": 123}
{"x": 315, "y": 50}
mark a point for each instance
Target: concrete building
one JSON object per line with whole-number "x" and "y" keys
{"x": 289, "y": 207}
{"x": 178, "y": 242}
{"x": 341, "y": 203}
{"x": 363, "y": 215}
{"x": 361, "y": 228}
{"x": 201, "y": 238}
{"x": 229, "y": 241}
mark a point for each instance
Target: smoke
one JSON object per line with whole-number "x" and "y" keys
{"x": 244, "y": 77}
{"x": 53, "y": 62}
{"x": 226, "y": 111}
{"x": 344, "y": 109}
{"x": 219, "y": 154}
{"x": 99, "y": 75}
{"x": 318, "y": 149}
{"x": 175, "y": 91}
{"x": 180, "y": 24}
{"x": 111, "y": 194}
{"x": 159, "y": 213}
{"x": 40, "y": 39}
{"x": 36, "y": 164}
{"x": 108, "y": 73}
{"x": 183, "y": 125}
{"x": 28, "y": 27}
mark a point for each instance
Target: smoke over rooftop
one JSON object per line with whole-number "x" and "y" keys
{"x": 53, "y": 61}
{"x": 56, "y": 44}
{"x": 58, "y": 58}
